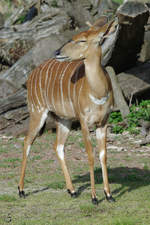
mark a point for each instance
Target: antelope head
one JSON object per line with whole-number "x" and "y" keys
{"x": 102, "y": 34}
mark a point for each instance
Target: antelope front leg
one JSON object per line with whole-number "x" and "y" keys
{"x": 89, "y": 150}
{"x": 101, "y": 135}
{"x": 63, "y": 128}
{"x": 37, "y": 120}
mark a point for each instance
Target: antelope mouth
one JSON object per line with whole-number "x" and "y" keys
{"x": 62, "y": 58}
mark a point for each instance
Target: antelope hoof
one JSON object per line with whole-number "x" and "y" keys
{"x": 21, "y": 193}
{"x": 73, "y": 194}
{"x": 109, "y": 198}
{"x": 95, "y": 201}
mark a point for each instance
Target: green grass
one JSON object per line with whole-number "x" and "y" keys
{"x": 7, "y": 198}
{"x": 47, "y": 200}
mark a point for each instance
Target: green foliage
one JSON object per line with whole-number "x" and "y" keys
{"x": 118, "y": 129}
{"x": 87, "y": 210}
{"x": 137, "y": 113}
{"x": 9, "y": 2}
{"x": 118, "y": 1}
{"x": 54, "y": 4}
{"x": 7, "y": 198}
{"x": 115, "y": 117}
{"x": 21, "y": 19}
{"x": 56, "y": 185}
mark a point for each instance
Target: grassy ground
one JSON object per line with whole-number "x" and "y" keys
{"x": 47, "y": 202}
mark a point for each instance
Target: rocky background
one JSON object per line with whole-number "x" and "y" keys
{"x": 30, "y": 31}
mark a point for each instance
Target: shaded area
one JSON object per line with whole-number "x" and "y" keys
{"x": 129, "y": 178}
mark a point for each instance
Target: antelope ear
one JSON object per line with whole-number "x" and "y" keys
{"x": 100, "y": 22}
{"x": 109, "y": 28}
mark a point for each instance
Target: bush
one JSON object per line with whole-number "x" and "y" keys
{"x": 137, "y": 113}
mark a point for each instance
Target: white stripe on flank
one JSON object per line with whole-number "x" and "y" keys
{"x": 69, "y": 91}
{"x": 40, "y": 82}
{"x": 60, "y": 151}
{"x": 31, "y": 89}
{"x": 74, "y": 87}
{"x": 79, "y": 96}
{"x": 36, "y": 94}
{"x": 61, "y": 87}
{"x": 46, "y": 79}
{"x": 56, "y": 77}
{"x": 31, "y": 107}
{"x": 49, "y": 82}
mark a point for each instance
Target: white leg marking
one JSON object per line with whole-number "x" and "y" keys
{"x": 43, "y": 118}
{"x": 28, "y": 150}
{"x": 65, "y": 126}
{"x": 60, "y": 151}
{"x": 101, "y": 155}
{"x": 99, "y": 134}
{"x": 61, "y": 87}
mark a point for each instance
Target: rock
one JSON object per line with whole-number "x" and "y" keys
{"x": 1, "y": 20}
{"x": 135, "y": 82}
{"x": 132, "y": 16}
{"x": 6, "y": 88}
{"x": 145, "y": 51}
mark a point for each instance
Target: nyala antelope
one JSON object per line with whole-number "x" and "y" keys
{"x": 74, "y": 85}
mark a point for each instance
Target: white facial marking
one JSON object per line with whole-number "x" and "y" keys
{"x": 60, "y": 151}
{"x": 99, "y": 134}
{"x": 28, "y": 150}
{"x": 99, "y": 101}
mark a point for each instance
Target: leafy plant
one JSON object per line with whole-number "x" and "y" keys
{"x": 54, "y": 4}
{"x": 118, "y": 1}
{"x": 137, "y": 113}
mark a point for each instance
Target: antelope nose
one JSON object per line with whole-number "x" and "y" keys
{"x": 57, "y": 52}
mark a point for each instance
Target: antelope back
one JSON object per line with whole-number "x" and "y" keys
{"x": 56, "y": 86}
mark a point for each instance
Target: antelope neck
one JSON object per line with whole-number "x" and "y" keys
{"x": 96, "y": 77}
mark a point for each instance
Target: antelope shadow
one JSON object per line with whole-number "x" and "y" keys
{"x": 130, "y": 179}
